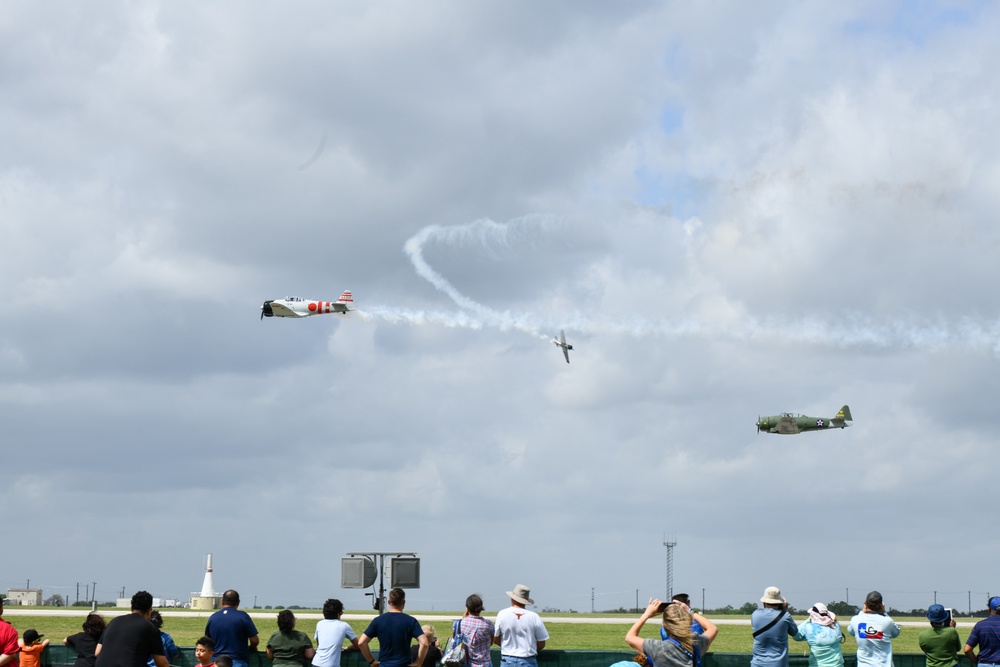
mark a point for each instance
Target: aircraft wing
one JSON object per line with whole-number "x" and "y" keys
{"x": 786, "y": 425}
{"x": 337, "y": 307}
{"x": 281, "y": 310}
{"x": 565, "y": 353}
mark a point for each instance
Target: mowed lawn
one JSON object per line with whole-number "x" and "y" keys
{"x": 570, "y": 636}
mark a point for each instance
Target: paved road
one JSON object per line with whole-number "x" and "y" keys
{"x": 270, "y": 615}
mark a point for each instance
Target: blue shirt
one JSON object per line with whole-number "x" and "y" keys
{"x": 824, "y": 644}
{"x": 770, "y": 648}
{"x": 394, "y": 632}
{"x": 986, "y": 635}
{"x": 230, "y": 629}
{"x": 170, "y": 650}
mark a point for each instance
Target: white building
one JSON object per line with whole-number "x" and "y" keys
{"x": 24, "y": 596}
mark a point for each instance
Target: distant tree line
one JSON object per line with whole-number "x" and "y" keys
{"x": 842, "y": 609}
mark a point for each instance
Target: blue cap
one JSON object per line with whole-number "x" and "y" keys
{"x": 995, "y": 602}
{"x": 936, "y": 613}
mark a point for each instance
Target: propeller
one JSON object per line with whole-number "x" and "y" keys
{"x": 265, "y": 310}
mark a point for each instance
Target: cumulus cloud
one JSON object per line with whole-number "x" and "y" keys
{"x": 731, "y": 211}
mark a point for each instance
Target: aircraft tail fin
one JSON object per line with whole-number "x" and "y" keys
{"x": 844, "y": 415}
{"x": 347, "y": 299}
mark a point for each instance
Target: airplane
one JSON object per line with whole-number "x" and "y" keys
{"x": 293, "y": 306}
{"x": 561, "y": 342}
{"x": 788, "y": 424}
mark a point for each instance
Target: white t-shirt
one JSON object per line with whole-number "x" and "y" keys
{"x": 874, "y": 633}
{"x": 520, "y": 631}
{"x": 330, "y": 634}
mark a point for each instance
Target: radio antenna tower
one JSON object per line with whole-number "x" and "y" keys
{"x": 670, "y": 565}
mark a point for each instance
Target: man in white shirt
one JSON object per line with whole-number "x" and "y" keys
{"x": 518, "y": 632}
{"x": 874, "y": 631}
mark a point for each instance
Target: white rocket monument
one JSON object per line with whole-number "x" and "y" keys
{"x": 208, "y": 586}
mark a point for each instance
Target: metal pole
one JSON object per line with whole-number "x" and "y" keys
{"x": 670, "y": 566}
{"x": 381, "y": 584}
{"x": 703, "y": 600}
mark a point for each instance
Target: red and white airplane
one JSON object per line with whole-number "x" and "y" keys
{"x": 293, "y": 306}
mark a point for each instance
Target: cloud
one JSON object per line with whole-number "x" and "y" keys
{"x": 730, "y": 211}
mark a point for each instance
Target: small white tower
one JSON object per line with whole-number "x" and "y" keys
{"x": 207, "y": 598}
{"x": 208, "y": 587}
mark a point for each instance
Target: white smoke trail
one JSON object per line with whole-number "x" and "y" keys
{"x": 847, "y": 329}
{"x": 394, "y": 315}
{"x": 485, "y": 233}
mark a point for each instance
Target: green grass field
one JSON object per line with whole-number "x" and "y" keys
{"x": 570, "y": 636}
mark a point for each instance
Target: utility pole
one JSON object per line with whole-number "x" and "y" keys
{"x": 935, "y": 597}
{"x": 847, "y": 596}
{"x": 670, "y": 566}
{"x": 93, "y": 593}
{"x": 591, "y": 599}
{"x": 703, "y": 600}
{"x": 637, "y": 600}
{"x": 78, "y": 591}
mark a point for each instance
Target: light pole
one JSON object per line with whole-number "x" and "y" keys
{"x": 670, "y": 565}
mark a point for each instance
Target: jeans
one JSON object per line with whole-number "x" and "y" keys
{"x": 513, "y": 661}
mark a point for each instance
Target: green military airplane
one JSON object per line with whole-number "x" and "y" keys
{"x": 788, "y": 424}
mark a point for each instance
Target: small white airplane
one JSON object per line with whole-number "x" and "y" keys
{"x": 561, "y": 342}
{"x": 293, "y": 306}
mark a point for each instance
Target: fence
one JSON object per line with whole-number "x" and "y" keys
{"x": 56, "y": 655}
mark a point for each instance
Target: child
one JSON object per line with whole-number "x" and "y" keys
{"x": 204, "y": 650}
{"x": 170, "y": 649}
{"x": 31, "y": 648}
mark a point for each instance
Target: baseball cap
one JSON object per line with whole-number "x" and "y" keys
{"x": 995, "y": 602}
{"x": 874, "y": 598}
{"x": 31, "y": 636}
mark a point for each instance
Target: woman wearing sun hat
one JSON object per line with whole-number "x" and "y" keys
{"x": 772, "y": 626}
{"x": 824, "y": 637}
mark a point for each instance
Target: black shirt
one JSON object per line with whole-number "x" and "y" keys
{"x": 84, "y": 646}
{"x": 128, "y": 641}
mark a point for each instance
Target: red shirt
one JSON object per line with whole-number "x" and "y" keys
{"x": 8, "y": 639}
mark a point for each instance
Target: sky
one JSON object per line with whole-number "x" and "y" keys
{"x": 732, "y": 210}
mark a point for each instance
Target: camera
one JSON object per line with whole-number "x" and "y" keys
{"x": 950, "y": 615}
{"x": 663, "y": 607}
